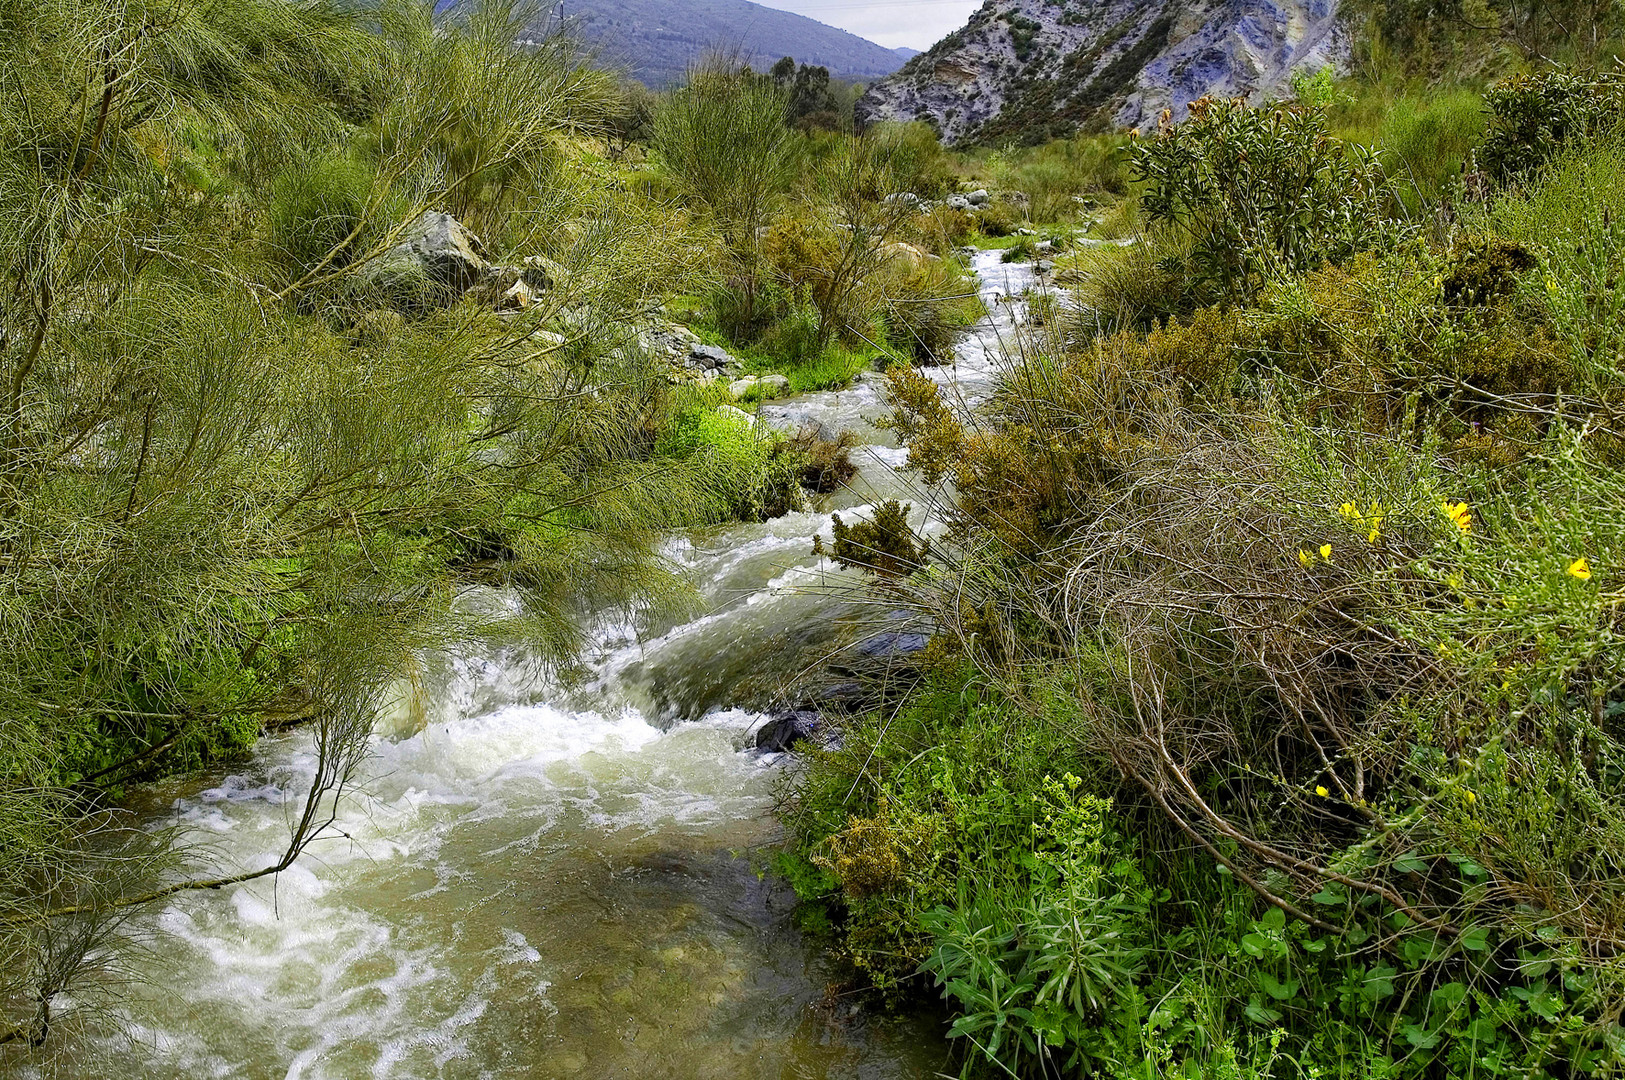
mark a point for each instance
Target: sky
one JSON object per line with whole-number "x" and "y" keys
{"x": 917, "y": 24}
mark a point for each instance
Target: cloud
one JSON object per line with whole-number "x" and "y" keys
{"x": 917, "y": 24}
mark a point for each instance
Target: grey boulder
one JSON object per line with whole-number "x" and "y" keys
{"x": 437, "y": 258}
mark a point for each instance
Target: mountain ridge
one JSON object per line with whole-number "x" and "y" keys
{"x": 656, "y": 41}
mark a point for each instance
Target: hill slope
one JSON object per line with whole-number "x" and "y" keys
{"x": 656, "y": 40}
{"x": 1028, "y": 70}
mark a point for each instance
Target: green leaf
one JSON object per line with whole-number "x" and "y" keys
{"x": 1275, "y": 988}
{"x": 1379, "y": 982}
{"x": 1475, "y": 938}
{"x": 1449, "y": 995}
{"x": 1408, "y": 863}
{"x": 1259, "y": 1013}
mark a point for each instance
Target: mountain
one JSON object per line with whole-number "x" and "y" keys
{"x": 657, "y": 40}
{"x": 1029, "y": 70}
{"x": 906, "y": 53}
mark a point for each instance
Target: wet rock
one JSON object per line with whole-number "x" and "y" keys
{"x": 844, "y": 697}
{"x": 785, "y": 730}
{"x": 767, "y": 385}
{"x": 888, "y": 645}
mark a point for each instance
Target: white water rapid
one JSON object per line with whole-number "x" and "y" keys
{"x": 534, "y": 882}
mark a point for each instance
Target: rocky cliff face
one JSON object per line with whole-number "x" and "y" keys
{"x": 1028, "y": 70}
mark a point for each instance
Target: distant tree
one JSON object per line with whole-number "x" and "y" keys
{"x": 810, "y": 98}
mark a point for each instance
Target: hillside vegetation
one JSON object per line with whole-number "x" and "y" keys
{"x": 1028, "y": 71}
{"x": 1271, "y": 727}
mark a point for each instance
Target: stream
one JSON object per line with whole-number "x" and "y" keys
{"x": 541, "y": 880}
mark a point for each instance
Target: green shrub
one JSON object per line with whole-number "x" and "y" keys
{"x": 1573, "y": 223}
{"x": 1133, "y": 286}
{"x": 1535, "y": 117}
{"x": 320, "y": 211}
{"x": 915, "y": 158}
{"x": 926, "y": 309}
{"x": 1427, "y": 143}
{"x": 999, "y": 218}
{"x": 884, "y": 545}
{"x": 751, "y": 478}
{"x": 1260, "y": 193}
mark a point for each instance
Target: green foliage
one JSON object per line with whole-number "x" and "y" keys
{"x": 1536, "y": 117}
{"x": 1318, "y": 588}
{"x": 725, "y": 140}
{"x": 752, "y": 477}
{"x": 884, "y": 545}
{"x": 1427, "y": 143}
{"x": 231, "y": 495}
{"x": 318, "y": 211}
{"x": 1260, "y": 192}
{"x": 1571, "y": 224}
{"x": 916, "y": 158}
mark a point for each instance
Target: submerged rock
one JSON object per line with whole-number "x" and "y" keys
{"x": 893, "y": 644}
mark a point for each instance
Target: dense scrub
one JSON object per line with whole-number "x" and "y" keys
{"x": 250, "y": 456}
{"x": 1271, "y": 724}
{"x": 829, "y": 265}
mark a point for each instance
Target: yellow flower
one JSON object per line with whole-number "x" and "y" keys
{"x": 1349, "y": 512}
{"x": 1326, "y": 552}
{"x": 1471, "y": 797}
{"x": 1457, "y": 513}
{"x": 1306, "y": 559}
{"x": 1376, "y": 531}
{"x": 1322, "y": 792}
{"x": 1581, "y": 569}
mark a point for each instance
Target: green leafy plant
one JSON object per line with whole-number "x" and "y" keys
{"x": 1260, "y": 192}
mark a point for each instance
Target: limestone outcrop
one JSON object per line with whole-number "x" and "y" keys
{"x": 1028, "y": 70}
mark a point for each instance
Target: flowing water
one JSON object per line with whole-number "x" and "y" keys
{"x": 540, "y": 881}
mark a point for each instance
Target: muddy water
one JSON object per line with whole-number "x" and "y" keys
{"x": 540, "y": 881}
